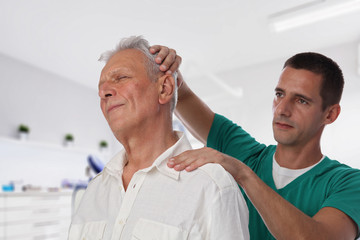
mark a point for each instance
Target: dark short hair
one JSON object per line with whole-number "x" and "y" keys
{"x": 332, "y": 76}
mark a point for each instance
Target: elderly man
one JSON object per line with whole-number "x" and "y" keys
{"x": 137, "y": 196}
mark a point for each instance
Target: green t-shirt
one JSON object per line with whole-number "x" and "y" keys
{"x": 328, "y": 184}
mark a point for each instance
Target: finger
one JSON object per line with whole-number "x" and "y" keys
{"x": 162, "y": 54}
{"x": 179, "y": 166}
{"x": 174, "y": 161}
{"x": 183, "y": 165}
{"x": 180, "y": 79}
{"x": 191, "y": 167}
{"x": 155, "y": 48}
{"x": 200, "y": 161}
{"x": 175, "y": 64}
{"x": 161, "y": 51}
{"x": 171, "y": 163}
{"x": 203, "y": 156}
{"x": 181, "y": 161}
{"x": 168, "y": 61}
{"x": 193, "y": 160}
{"x": 180, "y": 158}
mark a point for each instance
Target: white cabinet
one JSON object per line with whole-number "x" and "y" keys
{"x": 35, "y": 216}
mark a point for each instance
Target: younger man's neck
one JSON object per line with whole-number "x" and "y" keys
{"x": 297, "y": 158}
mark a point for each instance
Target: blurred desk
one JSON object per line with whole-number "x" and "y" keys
{"x": 35, "y": 215}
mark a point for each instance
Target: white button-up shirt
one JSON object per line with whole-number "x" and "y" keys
{"x": 161, "y": 203}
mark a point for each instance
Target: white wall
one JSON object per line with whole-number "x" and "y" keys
{"x": 50, "y": 105}
{"x": 253, "y": 110}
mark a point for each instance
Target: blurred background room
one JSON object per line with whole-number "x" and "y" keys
{"x": 53, "y": 136}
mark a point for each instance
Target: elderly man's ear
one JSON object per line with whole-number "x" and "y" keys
{"x": 166, "y": 88}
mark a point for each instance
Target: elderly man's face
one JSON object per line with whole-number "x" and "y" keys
{"x": 128, "y": 97}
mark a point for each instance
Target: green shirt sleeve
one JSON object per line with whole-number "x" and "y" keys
{"x": 229, "y": 138}
{"x": 344, "y": 192}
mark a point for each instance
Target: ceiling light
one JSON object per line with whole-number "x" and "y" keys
{"x": 303, "y": 16}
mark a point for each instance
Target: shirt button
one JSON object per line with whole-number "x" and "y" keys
{"x": 134, "y": 185}
{"x": 121, "y": 222}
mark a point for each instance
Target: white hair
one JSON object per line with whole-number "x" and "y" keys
{"x": 141, "y": 44}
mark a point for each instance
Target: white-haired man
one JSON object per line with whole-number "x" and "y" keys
{"x": 137, "y": 196}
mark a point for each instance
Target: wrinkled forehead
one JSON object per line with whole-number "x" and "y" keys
{"x": 124, "y": 60}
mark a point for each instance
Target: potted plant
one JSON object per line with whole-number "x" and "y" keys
{"x": 103, "y": 145}
{"x": 68, "y": 140}
{"x": 23, "y": 131}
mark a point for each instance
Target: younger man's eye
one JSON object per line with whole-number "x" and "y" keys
{"x": 302, "y": 101}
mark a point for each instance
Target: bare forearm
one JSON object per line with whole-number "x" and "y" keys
{"x": 194, "y": 113}
{"x": 283, "y": 219}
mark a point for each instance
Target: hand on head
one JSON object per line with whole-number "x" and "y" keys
{"x": 169, "y": 60}
{"x": 167, "y": 57}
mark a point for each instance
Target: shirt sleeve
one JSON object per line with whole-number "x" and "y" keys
{"x": 228, "y": 216}
{"x": 229, "y": 138}
{"x": 345, "y": 193}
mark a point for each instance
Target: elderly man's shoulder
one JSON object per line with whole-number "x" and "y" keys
{"x": 214, "y": 174}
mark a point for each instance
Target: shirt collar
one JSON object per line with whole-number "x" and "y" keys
{"x": 116, "y": 164}
{"x": 180, "y": 146}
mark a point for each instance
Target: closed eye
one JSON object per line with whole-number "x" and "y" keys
{"x": 119, "y": 78}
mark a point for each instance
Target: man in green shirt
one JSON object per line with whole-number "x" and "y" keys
{"x": 293, "y": 191}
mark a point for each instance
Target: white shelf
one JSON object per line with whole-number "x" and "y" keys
{"x": 35, "y": 217}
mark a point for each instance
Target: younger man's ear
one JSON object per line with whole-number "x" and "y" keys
{"x": 166, "y": 88}
{"x": 332, "y": 113}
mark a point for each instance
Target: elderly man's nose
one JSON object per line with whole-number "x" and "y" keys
{"x": 106, "y": 91}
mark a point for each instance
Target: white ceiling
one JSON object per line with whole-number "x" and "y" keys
{"x": 66, "y": 37}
